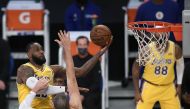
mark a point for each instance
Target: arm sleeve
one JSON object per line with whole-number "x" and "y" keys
{"x": 180, "y": 70}
{"x": 32, "y": 81}
{"x": 26, "y": 103}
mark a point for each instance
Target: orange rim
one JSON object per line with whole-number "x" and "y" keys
{"x": 164, "y": 27}
{"x": 161, "y": 26}
{"x": 177, "y": 31}
{"x": 176, "y": 27}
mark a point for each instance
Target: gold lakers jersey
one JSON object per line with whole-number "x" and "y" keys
{"x": 41, "y": 101}
{"x": 161, "y": 72}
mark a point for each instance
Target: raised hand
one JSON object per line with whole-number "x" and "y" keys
{"x": 64, "y": 39}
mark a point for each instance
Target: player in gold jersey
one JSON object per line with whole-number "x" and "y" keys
{"x": 158, "y": 79}
{"x": 36, "y": 68}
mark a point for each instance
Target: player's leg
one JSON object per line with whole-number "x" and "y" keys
{"x": 149, "y": 97}
{"x": 169, "y": 100}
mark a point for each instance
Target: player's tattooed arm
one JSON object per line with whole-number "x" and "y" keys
{"x": 23, "y": 73}
{"x": 84, "y": 69}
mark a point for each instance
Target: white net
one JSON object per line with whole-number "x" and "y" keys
{"x": 151, "y": 44}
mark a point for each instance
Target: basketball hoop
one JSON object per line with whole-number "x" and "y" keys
{"x": 151, "y": 36}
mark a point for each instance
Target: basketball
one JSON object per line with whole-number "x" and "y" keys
{"x": 100, "y": 35}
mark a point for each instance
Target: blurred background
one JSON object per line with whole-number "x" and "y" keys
{"x": 42, "y": 19}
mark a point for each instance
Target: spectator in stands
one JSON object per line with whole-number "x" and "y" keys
{"x": 185, "y": 87}
{"x": 93, "y": 80}
{"x": 81, "y": 15}
{"x": 4, "y": 72}
{"x": 159, "y": 10}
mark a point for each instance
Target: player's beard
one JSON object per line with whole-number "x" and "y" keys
{"x": 39, "y": 61}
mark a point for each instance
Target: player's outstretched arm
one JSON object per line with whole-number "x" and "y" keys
{"x": 75, "y": 101}
{"x": 135, "y": 75}
{"x": 83, "y": 70}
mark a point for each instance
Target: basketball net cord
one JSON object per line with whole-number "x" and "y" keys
{"x": 148, "y": 43}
